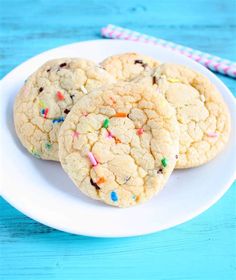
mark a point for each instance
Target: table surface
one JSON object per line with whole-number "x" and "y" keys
{"x": 204, "y": 248}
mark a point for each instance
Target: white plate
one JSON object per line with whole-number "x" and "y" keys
{"x": 42, "y": 191}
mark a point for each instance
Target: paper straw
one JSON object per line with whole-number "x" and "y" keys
{"x": 214, "y": 63}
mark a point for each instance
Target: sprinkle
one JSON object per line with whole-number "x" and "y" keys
{"x": 92, "y": 159}
{"x": 120, "y": 115}
{"x": 40, "y": 89}
{"x": 138, "y": 61}
{"x": 154, "y": 80}
{"x": 160, "y": 171}
{"x": 109, "y": 134}
{"x": 83, "y": 89}
{"x": 94, "y": 184}
{"x": 173, "y": 80}
{"x": 35, "y": 153}
{"x": 46, "y": 113}
{"x": 75, "y": 134}
{"x": 106, "y": 123}
{"x": 101, "y": 180}
{"x": 60, "y": 96}
{"x": 212, "y": 134}
{"x": 72, "y": 96}
{"x": 114, "y": 196}
{"x": 117, "y": 140}
{"x": 58, "y": 120}
{"x": 48, "y": 146}
{"x": 164, "y": 162}
{"x": 63, "y": 64}
{"x": 42, "y": 104}
{"x": 66, "y": 111}
{"x": 140, "y": 131}
{"x": 85, "y": 114}
{"x": 127, "y": 179}
{"x": 134, "y": 196}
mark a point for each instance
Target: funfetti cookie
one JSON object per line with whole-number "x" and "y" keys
{"x": 126, "y": 66}
{"x": 123, "y": 148}
{"x": 48, "y": 96}
{"x": 202, "y": 115}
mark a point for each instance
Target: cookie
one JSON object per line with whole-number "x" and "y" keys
{"x": 202, "y": 115}
{"x": 124, "y": 149}
{"x": 127, "y": 66}
{"x": 48, "y": 96}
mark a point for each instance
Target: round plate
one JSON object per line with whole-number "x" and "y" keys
{"x": 41, "y": 190}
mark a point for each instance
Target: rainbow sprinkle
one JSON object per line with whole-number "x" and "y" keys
{"x": 83, "y": 89}
{"x": 120, "y": 115}
{"x": 109, "y": 134}
{"x": 75, "y": 134}
{"x": 42, "y": 104}
{"x": 101, "y": 180}
{"x": 46, "y": 112}
{"x": 35, "y": 153}
{"x": 117, "y": 140}
{"x": 173, "y": 80}
{"x": 60, "y": 96}
{"x": 140, "y": 131}
{"x": 48, "y": 146}
{"x": 106, "y": 123}
{"x": 212, "y": 134}
{"x": 92, "y": 159}
{"x": 127, "y": 179}
{"x": 94, "y": 184}
{"x": 114, "y": 196}
{"x": 58, "y": 120}
{"x": 164, "y": 162}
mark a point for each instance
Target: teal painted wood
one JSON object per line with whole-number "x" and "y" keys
{"x": 204, "y": 248}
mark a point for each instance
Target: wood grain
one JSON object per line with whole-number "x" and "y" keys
{"x": 204, "y": 248}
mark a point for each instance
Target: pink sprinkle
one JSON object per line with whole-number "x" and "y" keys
{"x": 75, "y": 134}
{"x": 60, "y": 96}
{"x": 46, "y": 113}
{"x": 85, "y": 114}
{"x": 92, "y": 159}
{"x": 212, "y": 134}
{"x": 140, "y": 131}
{"x": 109, "y": 134}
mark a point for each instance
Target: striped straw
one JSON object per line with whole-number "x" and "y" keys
{"x": 214, "y": 63}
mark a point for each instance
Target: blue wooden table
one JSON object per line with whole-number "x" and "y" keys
{"x": 204, "y": 248}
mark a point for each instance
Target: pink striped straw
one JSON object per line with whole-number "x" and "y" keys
{"x": 214, "y": 63}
